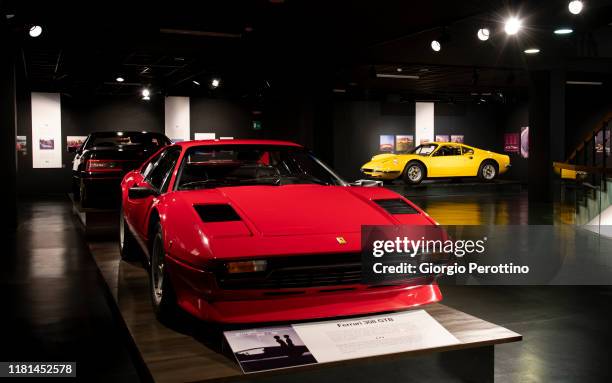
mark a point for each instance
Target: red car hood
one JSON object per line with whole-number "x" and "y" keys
{"x": 298, "y": 209}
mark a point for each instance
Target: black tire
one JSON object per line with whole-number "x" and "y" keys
{"x": 128, "y": 246}
{"x": 414, "y": 173}
{"x": 161, "y": 292}
{"x": 488, "y": 171}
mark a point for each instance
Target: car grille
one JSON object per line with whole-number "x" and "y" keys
{"x": 298, "y": 272}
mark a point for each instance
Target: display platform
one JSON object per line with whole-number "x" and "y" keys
{"x": 459, "y": 187}
{"x": 193, "y": 351}
{"x": 95, "y": 221}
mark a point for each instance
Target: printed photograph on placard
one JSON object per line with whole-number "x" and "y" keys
{"x": 268, "y": 348}
{"x": 442, "y": 138}
{"x": 511, "y": 143}
{"x": 386, "y": 143}
{"x": 46, "y": 144}
{"x": 404, "y": 143}
{"x": 74, "y": 142}
{"x": 525, "y": 142}
{"x": 457, "y": 138}
{"x": 22, "y": 144}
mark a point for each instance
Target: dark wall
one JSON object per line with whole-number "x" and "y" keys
{"x": 224, "y": 118}
{"x": 358, "y": 125}
{"x": 79, "y": 118}
{"x": 585, "y": 106}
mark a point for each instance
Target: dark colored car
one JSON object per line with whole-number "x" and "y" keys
{"x": 101, "y": 162}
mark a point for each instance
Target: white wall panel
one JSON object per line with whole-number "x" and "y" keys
{"x": 177, "y": 124}
{"x": 424, "y": 122}
{"x": 46, "y": 130}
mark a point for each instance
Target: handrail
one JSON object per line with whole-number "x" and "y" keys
{"x": 601, "y": 125}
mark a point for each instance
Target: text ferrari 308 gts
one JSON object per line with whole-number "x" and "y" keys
{"x": 242, "y": 231}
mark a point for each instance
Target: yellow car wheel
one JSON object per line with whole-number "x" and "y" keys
{"x": 488, "y": 170}
{"x": 414, "y": 173}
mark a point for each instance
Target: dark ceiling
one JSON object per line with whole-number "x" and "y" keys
{"x": 259, "y": 46}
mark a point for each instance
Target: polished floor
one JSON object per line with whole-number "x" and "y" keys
{"x": 58, "y": 308}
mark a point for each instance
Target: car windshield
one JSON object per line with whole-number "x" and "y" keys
{"x": 126, "y": 140}
{"x": 424, "y": 150}
{"x": 237, "y": 165}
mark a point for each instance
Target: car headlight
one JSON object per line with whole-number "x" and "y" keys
{"x": 246, "y": 266}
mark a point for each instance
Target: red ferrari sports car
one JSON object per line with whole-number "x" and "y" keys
{"x": 259, "y": 231}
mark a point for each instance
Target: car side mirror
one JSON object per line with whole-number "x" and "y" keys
{"x": 367, "y": 183}
{"x": 139, "y": 192}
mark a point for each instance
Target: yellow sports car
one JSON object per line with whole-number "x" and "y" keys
{"x": 437, "y": 159}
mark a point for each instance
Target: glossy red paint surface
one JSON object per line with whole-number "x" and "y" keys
{"x": 275, "y": 221}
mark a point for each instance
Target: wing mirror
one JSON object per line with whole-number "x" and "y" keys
{"x": 139, "y": 192}
{"x": 367, "y": 183}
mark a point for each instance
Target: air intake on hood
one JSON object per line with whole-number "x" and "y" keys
{"x": 217, "y": 213}
{"x": 396, "y": 206}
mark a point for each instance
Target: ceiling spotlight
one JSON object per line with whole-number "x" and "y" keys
{"x": 532, "y": 51}
{"x": 563, "y": 31}
{"x": 215, "y": 83}
{"x": 35, "y": 30}
{"x": 120, "y": 79}
{"x": 575, "y": 6}
{"x": 512, "y": 26}
{"x": 483, "y": 34}
{"x": 399, "y": 69}
{"x": 435, "y": 45}
{"x": 195, "y": 82}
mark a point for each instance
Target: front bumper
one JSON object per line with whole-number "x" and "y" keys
{"x": 198, "y": 294}
{"x": 381, "y": 174}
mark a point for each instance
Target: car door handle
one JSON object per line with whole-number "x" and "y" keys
{"x": 471, "y": 158}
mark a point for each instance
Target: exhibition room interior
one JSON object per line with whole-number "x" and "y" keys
{"x": 248, "y": 190}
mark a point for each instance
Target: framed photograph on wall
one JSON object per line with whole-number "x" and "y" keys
{"x": 442, "y": 138}
{"x": 511, "y": 143}
{"x": 404, "y": 143}
{"x": 457, "y": 138}
{"x": 525, "y": 142}
{"x": 22, "y": 144}
{"x": 74, "y": 142}
{"x": 386, "y": 143}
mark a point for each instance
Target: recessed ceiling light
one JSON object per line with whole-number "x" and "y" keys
{"x": 120, "y": 79}
{"x": 436, "y": 46}
{"x": 575, "y": 6}
{"x": 532, "y": 51}
{"x": 563, "y": 31}
{"x": 215, "y": 83}
{"x": 399, "y": 69}
{"x": 146, "y": 93}
{"x": 513, "y": 25}
{"x": 35, "y": 30}
{"x": 483, "y": 34}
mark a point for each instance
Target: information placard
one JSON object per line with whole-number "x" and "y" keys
{"x": 272, "y": 348}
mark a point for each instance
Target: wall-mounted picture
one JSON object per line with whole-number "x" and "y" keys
{"x": 404, "y": 143}
{"x": 22, "y": 144}
{"x": 599, "y": 142}
{"x": 46, "y": 144}
{"x": 511, "y": 143}
{"x": 525, "y": 142}
{"x": 442, "y": 138}
{"x": 457, "y": 138}
{"x": 204, "y": 136}
{"x": 74, "y": 142}
{"x": 386, "y": 143}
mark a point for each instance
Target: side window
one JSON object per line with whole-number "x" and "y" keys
{"x": 151, "y": 164}
{"x": 467, "y": 151}
{"x": 163, "y": 168}
{"x": 448, "y": 151}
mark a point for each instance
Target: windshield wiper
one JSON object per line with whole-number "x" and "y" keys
{"x": 202, "y": 183}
